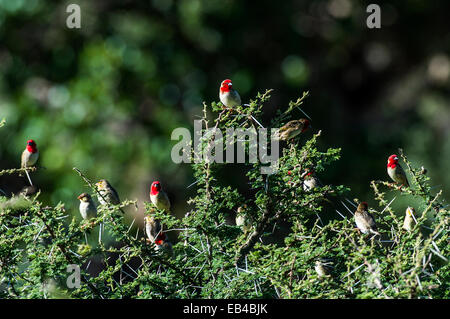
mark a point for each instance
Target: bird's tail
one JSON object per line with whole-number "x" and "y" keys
{"x": 29, "y": 179}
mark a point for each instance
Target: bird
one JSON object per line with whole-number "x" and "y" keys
{"x": 293, "y": 128}
{"x": 242, "y": 219}
{"x": 163, "y": 244}
{"x": 88, "y": 209}
{"x": 395, "y": 171}
{"x": 229, "y": 96}
{"x": 156, "y": 235}
{"x": 320, "y": 268}
{"x": 310, "y": 181}
{"x": 30, "y": 155}
{"x": 159, "y": 197}
{"x": 28, "y": 191}
{"x": 107, "y": 192}
{"x": 152, "y": 228}
{"x": 408, "y": 223}
{"x": 423, "y": 170}
{"x": 364, "y": 220}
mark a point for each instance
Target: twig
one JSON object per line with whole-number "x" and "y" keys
{"x": 19, "y": 170}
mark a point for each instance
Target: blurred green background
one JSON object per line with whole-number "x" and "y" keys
{"x": 105, "y": 98}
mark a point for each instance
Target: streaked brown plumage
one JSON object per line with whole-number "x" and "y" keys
{"x": 292, "y": 128}
{"x": 320, "y": 269}
{"x": 156, "y": 235}
{"x": 364, "y": 220}
{"x": 108, "y": 193}
{"x": 152, "y": 228}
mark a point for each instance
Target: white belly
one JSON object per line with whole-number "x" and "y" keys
{"x": 87, "y": 210}
{"x": 31, "y": 158}
{"x": 361, "y": 226}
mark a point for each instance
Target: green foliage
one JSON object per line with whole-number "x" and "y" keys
{"x": 291, "y": 231}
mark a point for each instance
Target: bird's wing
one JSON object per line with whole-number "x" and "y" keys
{"x": 370, "y": 220}
{"x": 282, "y": 129}
{"x": 167, "y": 201}
{"x": 401, "y": 172}
{"x": 23, "y": 162}
{"x": 116, "y": 195}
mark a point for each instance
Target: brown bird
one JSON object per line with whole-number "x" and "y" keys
{"x": 395, "y": 171}
{"x": 364, "y": 220}
{"x": 107, "y": 193}
{"x": 28, "y": 191}
{"x": 87, "y": 206}
{"x": 152, "y": 228}
{"x": 320, "y": 268}
{"x": 156, "y": 235}
{"x": 292, "y": 128}
{"x": 242, "y": 219}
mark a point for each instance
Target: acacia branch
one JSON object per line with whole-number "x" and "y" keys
{"x": 64, "y": 251}
{"x": 19, "y": 170}
{"x": 253, "y": 238}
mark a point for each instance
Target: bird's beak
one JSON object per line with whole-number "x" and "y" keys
{"x": 79, "y": 197}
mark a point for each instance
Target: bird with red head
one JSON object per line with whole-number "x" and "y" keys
{"x": 30, "y": 155}
{"x": 229, "y": 97}
{"x": 395, "y": 171}
{"x": 159, "y": 197}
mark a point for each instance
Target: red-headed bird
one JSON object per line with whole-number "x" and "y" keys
{"x": 395, "y": 171}
{"x": 159, "y": 197}
{"x": 30, "y": 155}
{"x": 229, "y": 96}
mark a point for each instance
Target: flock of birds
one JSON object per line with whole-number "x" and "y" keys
{"x": 230, "y": 98}
{"x": 108, "y": 195}
{"x": 363, "y": 219}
